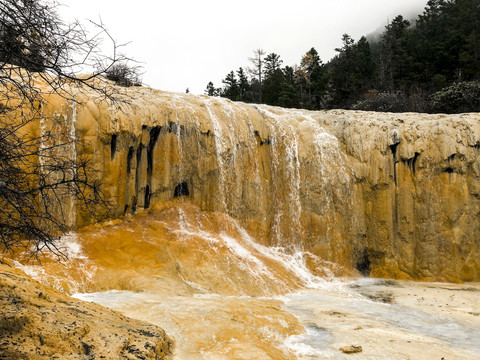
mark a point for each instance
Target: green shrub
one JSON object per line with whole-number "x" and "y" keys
{"x": 457, "y": 98}
{"x": 385, "y": 102}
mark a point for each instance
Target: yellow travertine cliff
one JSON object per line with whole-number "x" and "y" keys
{"x": 396, "y": 195}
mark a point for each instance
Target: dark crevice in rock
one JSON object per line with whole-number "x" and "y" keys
{"x": 139, "y": 155}
{"x": 129, "y": 170}
{"x": 181, "y": 190}
{"x": 268, "y": 141}
{"x": 146, "y": 203}
{"x": 363, "y": 263}
{"x": 173, "y": 127}
{"x": 412, "y": 162}
{"x": 137, "y": 176}
{"x": 113, "y": 146}
{"x": 393, "y": 149}
{"x": 129, "y": 160}
{"x": 134, "y": 205}
{"x": 154, "y": 132}
{"x": 87, "y": 349}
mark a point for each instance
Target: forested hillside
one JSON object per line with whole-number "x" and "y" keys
{"x": 430, "y": 64}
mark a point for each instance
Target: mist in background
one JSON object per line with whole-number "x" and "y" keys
{"x": 185, "y": 44}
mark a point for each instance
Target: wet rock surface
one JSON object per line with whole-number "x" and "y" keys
{"x": 426, "y": 321}
{"x": 37, "y": 322}
{"x": 390, "y": 195}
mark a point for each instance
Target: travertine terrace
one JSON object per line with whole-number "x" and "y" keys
{"x": 396, "y": 195}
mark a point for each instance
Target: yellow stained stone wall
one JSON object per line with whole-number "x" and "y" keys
{"x": 393, "y": 194}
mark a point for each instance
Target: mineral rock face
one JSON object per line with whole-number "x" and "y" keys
{"x": 393, "y": 195}
{"x": 38, "y": 322}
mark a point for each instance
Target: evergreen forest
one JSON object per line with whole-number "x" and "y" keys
{"x": 428, "y": 64}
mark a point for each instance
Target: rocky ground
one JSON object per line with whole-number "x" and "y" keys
{"x": 37, "y": 322}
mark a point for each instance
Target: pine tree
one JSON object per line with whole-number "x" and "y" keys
{"x": 272, "y": 63}
{"x": 244, "y": 87}
{"x": 274, "y": 79}
{"x": 310, "y": 79}
{"x": 351, "y": 72}
{"x": 394, "y": 53}
{"x": 289, "y": 93}
{"x": 231, "y": 89}
{"x": 211, "y": 90}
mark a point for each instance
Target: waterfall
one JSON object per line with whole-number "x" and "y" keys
{"x": 259, "y": 217}
{"x": 319, "y": 182}
{"x": 287, "y": 185}
{"x": 220, "y": 148}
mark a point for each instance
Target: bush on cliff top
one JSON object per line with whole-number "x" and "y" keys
{"x": 460, "y": 97}
{"x": 124, "y": 75}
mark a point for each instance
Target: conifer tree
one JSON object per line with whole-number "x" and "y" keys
{"x": 211, "y": 90}
{"x": 244, "y": 87}
{"x": 231, "y": 89}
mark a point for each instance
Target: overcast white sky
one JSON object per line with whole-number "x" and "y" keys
{"x": 187, "y": 43}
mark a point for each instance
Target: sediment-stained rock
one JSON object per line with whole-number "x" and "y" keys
{"x": 37, "y": 322}
{"x": 393, "y": 195}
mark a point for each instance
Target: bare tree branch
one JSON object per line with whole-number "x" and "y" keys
{"x": 41, "y": 55}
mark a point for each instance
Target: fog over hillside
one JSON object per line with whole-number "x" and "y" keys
{"x": 188, "y": 43}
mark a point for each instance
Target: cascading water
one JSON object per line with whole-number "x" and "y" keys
{"x": 236, "y": 267}
{"x": 286, "y": 185}
{"x": 221, "y": 149}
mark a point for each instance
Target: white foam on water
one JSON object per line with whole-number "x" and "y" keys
{"x": 34, "y": 271}
{"x": 271, "y": 334}
{"x": 182, "y": 221}
{"x": 248, "y": 261}
{"x": 112, "y": 297}
{"x": 185, "y": 234}
{"x": 193, "y": 285}
{"x": 250, "y": 255}
{"x": 69, "y": 245}
{"x": 294, "y": 262}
